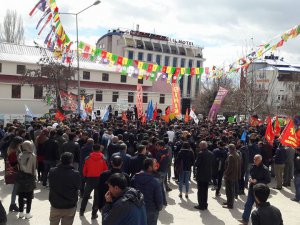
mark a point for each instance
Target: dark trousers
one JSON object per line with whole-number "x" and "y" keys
{"x": 202, "y": 194}
{"x": 90, "y": 185}
{"x": 28, "y": 197}
{"x": 229, "y": 189}
{"x": 219, "y": 181}
{"x": 47, "y": 166}
{"x": 152, "y": 217}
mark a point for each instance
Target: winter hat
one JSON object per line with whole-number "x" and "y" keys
{"x": 27, "y": 146}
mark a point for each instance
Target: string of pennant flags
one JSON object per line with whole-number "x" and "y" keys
{"x": 58, "y": 42}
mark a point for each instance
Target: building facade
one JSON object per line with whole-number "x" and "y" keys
{"x": 157, "y": 49}
{"x": 108, "y": 86}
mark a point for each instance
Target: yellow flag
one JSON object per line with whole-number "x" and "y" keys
{"x": 140, "y": 65}
{"x": 197, "y": 70}
{"x": 59, "y": 30}
{"x": 168, "y": 69}
{"x": 182, "y": 70}
{"x": 109, "y": 56}
{"x": 124, "y": 61}
{"x": 140, "y": 77}
{"x": 154, "y": 68}
{"x": 274, "y": 47}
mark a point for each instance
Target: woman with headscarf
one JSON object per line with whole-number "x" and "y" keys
{"x": 26, "y": 177}
{"x": 12, "y": 159}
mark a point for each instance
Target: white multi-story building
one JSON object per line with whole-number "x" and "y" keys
{"x": 108, "y": 86}
{"x": 157, "y": 49}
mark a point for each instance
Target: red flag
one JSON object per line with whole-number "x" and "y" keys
{"x": 164, "y": 69}
{"x": 120, "y": 60}
{"x": 280, "y": 43}
{"x": 155, "y": 112}
{"x": 206, "y": 70}
{"x": 150, "y": 67}
{"x": 59, "y": 116}
{"x": 192, "y": 71}
{"x": 269, "y": 135}
{"x": 254, "y": 121}
{"x": 103, "y": 54}
{"x": 124, "y": 117}
{"x": 277, "y": 127}
{"x": 168, "y": 110}
{"x": 186, "y": 116}
{"x": 143, "y": 119}
{"x": 288, "y": 136}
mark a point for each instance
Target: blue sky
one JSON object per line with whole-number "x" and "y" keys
{"x": 223, "y": 28}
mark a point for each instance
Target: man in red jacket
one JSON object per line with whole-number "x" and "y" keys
{"x": 94, "y": 165}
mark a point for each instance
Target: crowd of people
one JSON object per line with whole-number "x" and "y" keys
{"x": 128, "y": 167}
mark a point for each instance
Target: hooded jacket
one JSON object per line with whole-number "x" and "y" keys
{"x": 150, "y": 188}
{"x": 127, "y": 209}
{"x": 27, "y": 159}
{"x": 94, "y": 165}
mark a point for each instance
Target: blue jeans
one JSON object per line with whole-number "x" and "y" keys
{"x": 184, "y": 177}
{"x": 297, "y": 186}
{"x": 248, "y": 206}
{"x": 13, "y": 195}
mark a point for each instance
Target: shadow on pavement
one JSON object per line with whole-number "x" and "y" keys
{"x": 165, "y": 217}
{"x": 208, "y": 218}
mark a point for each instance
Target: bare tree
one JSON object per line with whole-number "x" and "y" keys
{"x": 12, "y": 29}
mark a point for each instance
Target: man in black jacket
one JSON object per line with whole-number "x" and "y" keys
{"x": 51, "y": 155}
{"x": 265, "y": 214}
{"x": 73, "y": 147}
{"x": 259, "y": 173}
{"x": 204, "y": 164}
{"x": 136, "y": 162}
{"x": 150, "y": 187}
{"x": 64, "y": 184}
{"x": 116, "y": 164}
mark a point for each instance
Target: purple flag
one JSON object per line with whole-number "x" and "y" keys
{"x": 217, "y": 104}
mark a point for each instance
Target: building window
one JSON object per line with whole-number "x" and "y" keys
{"x": 162, "y": 99}
{"x": 86, "y": 75}
{"x": 190, "y": 63}
{"x": 167, "y": 59}
{"x": 189, "y": 85}
{"x": 0, "y": 67}
{"x": 141, "y": 81}
{"x": 16, "y": 91}
{"x": 38, "y": 92}
{"x": 145, "y": 97}
{"x": 123, "y": 78}
{"x": 130, "y": 97}
{"x": 21, "y": 69}
{"x": 174, "y": 62}
{"x": 140, "y": 56}
{"x": 130, "y": 54}
{"x": 158, "y": 59}
{"x": 99, "y": 96}
{"x": 197, "y": 87}
{"x": 181, "y": 84}
{"x": 105, "y": 77}
{"x": 149, "y": 57}
{"x": 182, "y": 63}
{"x": 198, "y": 63}
{"x": 115, "y": 96}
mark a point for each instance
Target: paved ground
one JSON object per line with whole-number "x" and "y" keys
{"x": 179, "y": 211}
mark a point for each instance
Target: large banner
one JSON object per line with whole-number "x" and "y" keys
{"x": 139, "y": 100}
{"x": 176, "y": 100}
{"x": 217, "y": 104}
{"x": 87, "y": 103}
{"x": 68, "y": 101}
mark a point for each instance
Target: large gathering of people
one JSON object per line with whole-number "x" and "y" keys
{"x": 128, "y": 167}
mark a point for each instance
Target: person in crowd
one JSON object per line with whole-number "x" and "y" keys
{"x": 26, "y": 178}
{"x": 259, "y": 173}
{"x": 13, "y": 151}
{"x": 265, "y": 213}
{"x": 279, "y": 162}
{"x": 60, "y": 139}
{"x": 113, "y": 147}
{"x": 94, "y": 165}
{"x": 184, "y": 162}
{"x": 220, "y": 154}
{"x": 204, "y": 165}
{"x": 136, "y": 162}
{"x": 240, "y": 146}
{"x": 51, "y": 155}
{"x": 39, "y": 144}
{"x": 64, "y": 182}
{"x": 231, "y": 175}
{"x": 125, "y": 157}
{"x": 150, "y": 187}
{"x": 297, "y": 177}
{"x": 73, "y": 147}
{"x": 124, "y": 206}
{"x": 289, "y": 166}
{"x": 85, "y": 151}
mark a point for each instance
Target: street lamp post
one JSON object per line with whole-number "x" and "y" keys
{"x": 78, "y": 72}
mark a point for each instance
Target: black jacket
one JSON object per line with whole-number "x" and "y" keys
{"x": 280, "y": 155}
{"x": 266, "y": 214}
{"x": 51, "y": 150}
{"x": 103, "y": 187}
{"x": 150, "y": 188}
{"x": 72, "y": 147}
{"x": 64, "y": 183}
{"x": 261, "y": 174}
{"x": 136, "y": 164}
{"x": 187, "y": 157}
{"x": 204, "y": 164}
{"x": 297, "y": 165}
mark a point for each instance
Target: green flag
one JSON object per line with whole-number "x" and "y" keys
{"x": 231, "y": 119}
